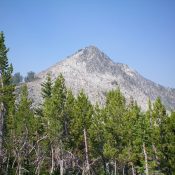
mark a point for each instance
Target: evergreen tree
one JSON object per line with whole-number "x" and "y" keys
{"x": 54, "y": 117}
{"x": 97, "y": 134}
{"x": 6, "y": 92}
{"x": 154, "y": 140}
{"x": 131, "y": 149}
{"x": 22, "y": 135}
{"x": 158, "y": 118}
{"x": 168, "y": 145}
{"x": 165, "y": 139}
{"x": 68, "y": 118}
{"x": 115, "y": 110}
{"x": 80, "y": 125}
{"x": 46, "y": 90}
{"x": 143, "y": 140}
{"x": 46, "y": 93}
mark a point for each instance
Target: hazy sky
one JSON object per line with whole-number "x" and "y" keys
{"x": 140, "y": 33}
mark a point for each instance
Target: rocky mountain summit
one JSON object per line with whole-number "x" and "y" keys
{"x": 94, "y": 72}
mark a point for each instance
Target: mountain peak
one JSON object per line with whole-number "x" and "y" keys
{"x": 94, "y": 58}
{"x": 92, "y": 52}
{"x": 92, "y": 47}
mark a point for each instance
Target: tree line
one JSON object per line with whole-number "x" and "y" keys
{"x": 68, "y": 135}
{"x": 17, "y": 78}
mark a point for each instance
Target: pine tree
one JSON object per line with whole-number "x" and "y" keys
{"x": 143, "y": 131}
{"x": 168, "y": 145}
{"x": 6, "y": 92}
{"x": 43, "y": 132}
{"x": 159, "y": 117}
{"x": 54, "y": 108}
{"x": 97, "y": 135}
{"x": 46, "y": 90}
{"x": 54, "y": 117}
{"x": 154, "y": 139}
{"x": 22, "y": 138}
{"x": 165, "y": 137}
{"x": 115, "y": 111}
{"x": 68, "y": 118}
{"x": 46, "y": 93}
{"x": 80, "y": 125}
{"x": 131, "y": 148}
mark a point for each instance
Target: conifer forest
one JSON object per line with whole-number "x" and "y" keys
{"x": 67, "y": 135}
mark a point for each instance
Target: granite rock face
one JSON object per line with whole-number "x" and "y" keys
{"x": 94, "y": 72}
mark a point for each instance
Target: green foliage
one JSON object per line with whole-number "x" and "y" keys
{"x": 6, "y": 98}
{"x": 24, "y": 130}
{"x": 24, "y": 116}
{"x": 21, "y": 135}
{"x": 6, "y": 87}
{"x": 46, "y": 90}
{"x": 68, "y": 119}
{"x": 115, "y": 110}
{"x": 54, "y": 108}
{"x": 5, "y": 69}
{"x": 165, "y": 137}
{"x": 82, "y": 114}
{"x": 168, "y": 145}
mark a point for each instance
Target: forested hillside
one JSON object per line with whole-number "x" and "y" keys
{"x": 69, "y": 135}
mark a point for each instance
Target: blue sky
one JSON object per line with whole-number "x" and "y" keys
{"x": 140, "y": 33}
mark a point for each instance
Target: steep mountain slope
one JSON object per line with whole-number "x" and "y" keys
{"x": 92, "y": 70}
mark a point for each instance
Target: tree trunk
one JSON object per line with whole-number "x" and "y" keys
{"x": 87, "y": 166}
{"x": 146, "y": 159}
{"x": 39, "y": 162}
{"x": 61, "y": 167}
{"x": 19, "y": 167}
{"x": 133, "y": 171}
{"x": 124, "y": 170}
{"x": 19, "y": 170}
{"x": 104, "y": 164}
{"x": 7, "y": 167}
{"x": 115, "y": 168}
{"x": 52, "y": 166}
{"x": 155, "y": 152}
{"x": 2, "y": 114}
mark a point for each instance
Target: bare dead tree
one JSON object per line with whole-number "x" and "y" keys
{"x": 86, "y": 166}
{"x": 146, "y": 159}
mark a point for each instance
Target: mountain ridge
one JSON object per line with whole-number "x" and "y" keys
{"x": 92, "y": 70}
